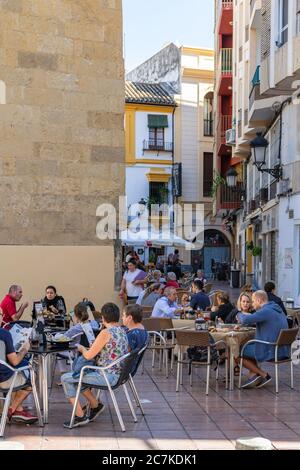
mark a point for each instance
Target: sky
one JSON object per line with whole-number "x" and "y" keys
{"x": 151, "y": 24}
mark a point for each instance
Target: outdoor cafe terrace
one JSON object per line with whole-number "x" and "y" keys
{"x": 187, "y": 419}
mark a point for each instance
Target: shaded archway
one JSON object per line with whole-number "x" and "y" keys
{"x": 214, "y": 257}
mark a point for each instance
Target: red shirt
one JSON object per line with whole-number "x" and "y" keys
{"x": 171, "y": 284}
{"x": 8, "y": 306}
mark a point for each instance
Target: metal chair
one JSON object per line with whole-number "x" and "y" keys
{"x": 127, "y": 363}
{"x": 202, "y": 339}
{"x": 285, "y": 338}
{"x": 140, "y": 357}
{"x": 147, "y": 311}
{"x": 7, "y": 393}
{"x": 157, "y": 329}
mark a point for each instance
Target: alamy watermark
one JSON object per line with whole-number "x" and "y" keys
{"x": 181, "y": 225}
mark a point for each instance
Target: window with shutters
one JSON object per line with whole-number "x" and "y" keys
{"x": 273, "y": 256}
{"x": 208, "y": 173}
{"x": 156, "y": 137}
{"x": 283, "y": 22}
{"x": 265, "y": 28}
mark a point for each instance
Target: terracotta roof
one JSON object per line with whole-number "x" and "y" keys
{"x": 147, "y": 93}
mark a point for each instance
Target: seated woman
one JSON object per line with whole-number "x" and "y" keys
{"x": 136, "y": 333}
{"x": 54, "y": 303}
{"x": 82, "y": 324}
{"x": 150, "y": 295}
{"x": 223, "y": 308}
{"x": 244, "y": 305}
{"x": 110, "y": 344}
{"x": 171, "y": 280}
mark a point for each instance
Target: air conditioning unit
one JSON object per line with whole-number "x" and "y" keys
{"x": 230, "y": 137}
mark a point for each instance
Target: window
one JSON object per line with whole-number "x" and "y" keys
{"x": 156, "y": 137}
{"x": 158, "y": 193}
{"x": 283, "y": 22}
{"x": 208, "y": 114}
{"x": 157, "y": 124}
{"x": 208, "y": 172}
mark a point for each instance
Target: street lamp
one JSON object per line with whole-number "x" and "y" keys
{"x": 231, "y": 181}
{"x": 259, "y": 147}
{"x": 231, "y": 177}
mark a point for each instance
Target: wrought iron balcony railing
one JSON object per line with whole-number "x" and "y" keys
{"x": 158, "y": 145}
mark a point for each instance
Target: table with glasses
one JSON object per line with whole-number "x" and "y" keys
{"x": 233, "y": 339}
{"x": 44, "y": 353}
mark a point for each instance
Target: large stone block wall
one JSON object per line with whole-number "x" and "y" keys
{"x": 61, "y": 124}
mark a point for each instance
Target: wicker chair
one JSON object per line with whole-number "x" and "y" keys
{"x": 285, "y": 338}
{"x": 198, "y": 338}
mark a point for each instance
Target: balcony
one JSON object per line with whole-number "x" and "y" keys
{"x": 261, "y": 107}
{"x": 225, "y": 68}
{"x": 225, "y": 123}
{"x": 157, "y": 146}
{"x": 230, "y": 199}
{"x": 225, "y": 17}
{"x": 255, "y": 13}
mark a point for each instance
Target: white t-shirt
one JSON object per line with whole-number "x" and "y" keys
{"x": 129, "y": 277}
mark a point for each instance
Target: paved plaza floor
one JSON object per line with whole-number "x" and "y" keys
{"x": 184, "y": 420}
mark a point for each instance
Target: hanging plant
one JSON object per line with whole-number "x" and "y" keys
{"x": 257, "y": 251}
{"x": 217, "y": 182}
{"x": 249, "y": 246}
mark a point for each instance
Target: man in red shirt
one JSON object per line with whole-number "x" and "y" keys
{"x": 8, "y": 305}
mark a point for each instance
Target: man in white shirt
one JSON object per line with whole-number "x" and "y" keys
{"x": 133, "y": 281}
{"x": 166, "y": 307}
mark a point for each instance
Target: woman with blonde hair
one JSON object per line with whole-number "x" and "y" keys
{"x": 243, "y": 305}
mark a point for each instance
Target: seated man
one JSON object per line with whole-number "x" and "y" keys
{"x": 16, "y": 412}
{"x": 8, "y": 305}
{"x": 199, "y": 299}
{"x": 270, "y": 320}
{"x": 166, "y": 306}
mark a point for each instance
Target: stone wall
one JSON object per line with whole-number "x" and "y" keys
{"x": 61, "y": 121}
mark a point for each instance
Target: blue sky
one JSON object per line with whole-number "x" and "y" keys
{"x": 150, "y": 24}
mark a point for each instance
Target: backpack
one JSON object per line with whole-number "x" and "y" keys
{"x": 200, "y": 354}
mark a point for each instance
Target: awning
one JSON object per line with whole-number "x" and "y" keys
{"x": 153, "y": 238}
{"x": 157, "y": 120}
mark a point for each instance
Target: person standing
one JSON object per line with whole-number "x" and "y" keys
{"x": 133, "y": 281}
{"x": 8, "y": 305}
{"x": 270, "y": 290}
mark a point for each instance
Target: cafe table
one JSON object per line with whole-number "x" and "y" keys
{"x": 44, "y": 353}
{"x": 233, "y": 339}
